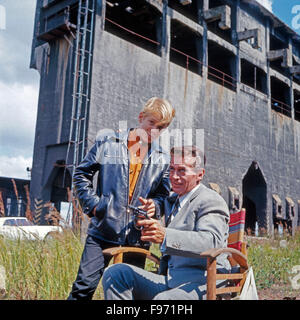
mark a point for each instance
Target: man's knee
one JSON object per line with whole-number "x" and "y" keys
{"x": 185, "y": 292}
{"x": 119, "y": 273}
{"x": 162, "y": 296}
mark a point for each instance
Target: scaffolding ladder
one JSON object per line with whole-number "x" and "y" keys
{"x": 81, "y": 88}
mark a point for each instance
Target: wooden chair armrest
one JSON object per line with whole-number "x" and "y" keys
{"x": 240, "y": 258}
{"x": 212, "y": 275}
{"x": 117, "y": 253}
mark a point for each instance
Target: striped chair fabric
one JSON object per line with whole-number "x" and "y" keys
{"x": 236, "y": 229}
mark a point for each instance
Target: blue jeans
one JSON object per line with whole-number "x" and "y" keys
{"x": 91, "y": 268}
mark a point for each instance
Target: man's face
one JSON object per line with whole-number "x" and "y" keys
{"x": 150, "y": 127}
{"x": 183, "y": 176}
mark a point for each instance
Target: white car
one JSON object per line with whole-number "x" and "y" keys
{"x": 21, "y": 228}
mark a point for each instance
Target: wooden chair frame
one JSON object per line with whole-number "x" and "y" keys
{"x": 118, "y": 252}
{"x": 235, "y": 258}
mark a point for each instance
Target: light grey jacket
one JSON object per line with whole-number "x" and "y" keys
{"x": 201, "y": 224}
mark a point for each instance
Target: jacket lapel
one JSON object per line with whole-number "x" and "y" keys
{"x": 169, "y": 205}
{"x": 183, "y": 211}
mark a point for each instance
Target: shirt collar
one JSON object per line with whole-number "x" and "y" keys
{"x": 154, "y": 146}
{"x": 184, "y": 198}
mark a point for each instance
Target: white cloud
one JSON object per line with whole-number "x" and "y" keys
{"x": 19, "y": 88}
{"x": 18, "y": 111}
{"x": 14, "y": 167}
{"x": 16, "y": 40}
{"x": 267, "y": 4}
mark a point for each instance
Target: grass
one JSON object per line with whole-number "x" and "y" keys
{"x": 273, "y": 259}
{"x": 40, "y": 269}
{"x": 45, "y": 270}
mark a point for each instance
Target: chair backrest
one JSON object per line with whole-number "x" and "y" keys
{"x": 236, "y": 229}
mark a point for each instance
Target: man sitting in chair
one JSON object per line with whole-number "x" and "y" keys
{"x": 196, "y": 219}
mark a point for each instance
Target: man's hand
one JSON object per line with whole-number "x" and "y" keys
{"x": 152, "y": 231}
{"x": 148, "y": 205}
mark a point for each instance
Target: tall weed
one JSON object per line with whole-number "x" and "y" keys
{"x": 40, "y": 269}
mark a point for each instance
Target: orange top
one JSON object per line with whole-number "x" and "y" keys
{"x": 137, "y": 153}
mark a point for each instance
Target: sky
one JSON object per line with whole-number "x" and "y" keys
{"x": 19, "y": 85}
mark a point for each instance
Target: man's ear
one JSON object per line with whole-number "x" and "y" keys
{"x": 200, "y": 175}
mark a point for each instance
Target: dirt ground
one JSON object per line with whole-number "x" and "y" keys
{"x": 278, "y": 292}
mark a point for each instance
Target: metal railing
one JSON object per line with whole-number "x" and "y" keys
{"x": 215, "y": 74}
{"x": 281, "y": 107}
{"x": 222, "y": 77}
{"x": 132, "y": 32}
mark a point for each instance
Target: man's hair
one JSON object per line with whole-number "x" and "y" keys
{"x": 160, "y": 107}
{"x": 191, "y": 151}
